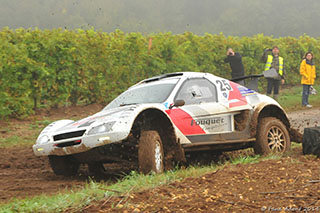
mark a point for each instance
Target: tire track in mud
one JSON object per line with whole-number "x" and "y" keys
{"x": 22, "y": 174}
{"x": 304, "y": 119}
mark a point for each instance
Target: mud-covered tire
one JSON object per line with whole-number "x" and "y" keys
{"x": 63, "y": 165}
{"x": 150, "y": 153}
{"x": 96, "y": 169}
{"x": 272, "y": 136}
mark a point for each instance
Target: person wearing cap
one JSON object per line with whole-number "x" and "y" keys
{"x": 308, "y": 75}
{"x": 235, "y": 61}
{"x": 276, "y": 62}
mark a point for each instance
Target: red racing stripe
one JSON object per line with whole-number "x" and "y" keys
{"x": 184, "y": 122}
{"x": 235, "y": 97}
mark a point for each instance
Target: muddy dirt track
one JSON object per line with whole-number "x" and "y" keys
{"x": 291, "y": 182}
{"x": 294, "y": 180}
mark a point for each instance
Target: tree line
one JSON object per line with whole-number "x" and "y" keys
{"x": 54, "y": 68}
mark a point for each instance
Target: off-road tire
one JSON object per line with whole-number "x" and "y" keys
{"x": 63, "y": 165}
{"x": 96, "y": 169}
{"x": 150, "y": 153}
{"x": 272, "y": 136}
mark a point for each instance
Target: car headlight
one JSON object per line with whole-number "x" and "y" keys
{"x": 43, "y": 139}
{"x": 103, "y": 128}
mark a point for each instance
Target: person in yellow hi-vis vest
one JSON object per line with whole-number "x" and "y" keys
{"x": 308, "y": 75}
{"x": 274, "y": 62}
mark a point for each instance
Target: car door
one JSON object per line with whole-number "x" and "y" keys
{"x": 202, "y": 118}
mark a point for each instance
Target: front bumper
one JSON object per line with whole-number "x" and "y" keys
{"x": 77, "y": 145}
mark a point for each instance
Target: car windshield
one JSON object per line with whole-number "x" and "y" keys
{"x": 153, "y": 93}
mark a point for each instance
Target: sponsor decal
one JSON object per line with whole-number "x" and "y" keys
{"x": 207, "y": 121}
{"x": 225, "y": 95}
{"x": 246, "y": 92}
{"x": 213, "y": 124}
{"x": 189, "y": 125}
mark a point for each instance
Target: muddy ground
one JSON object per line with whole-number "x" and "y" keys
{"x": 22, "y": 174}
{"x": 292, "y": 182}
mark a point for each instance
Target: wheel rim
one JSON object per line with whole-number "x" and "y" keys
{"x": 158, "y": 156}
{"x": 276, "y": 139}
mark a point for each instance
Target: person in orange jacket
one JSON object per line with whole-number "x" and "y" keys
{"x": 308, "y": 75}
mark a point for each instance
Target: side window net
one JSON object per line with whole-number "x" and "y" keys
{"x": 197, "y": 91}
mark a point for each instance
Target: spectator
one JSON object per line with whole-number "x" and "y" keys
{"x": 274, "y": 61}
{"x": 308, "y": 75}
{"x": 235, "y": 61}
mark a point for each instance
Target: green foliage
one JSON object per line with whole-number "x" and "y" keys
{"x": 52, "y": 68}
{"x": 17, "y": 140}
{"x": 245, "y": 160}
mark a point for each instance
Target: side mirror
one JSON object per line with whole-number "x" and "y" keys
{"x": 177, "y": 103}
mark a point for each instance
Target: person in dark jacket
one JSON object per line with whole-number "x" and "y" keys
{"x": 235, "y": 61}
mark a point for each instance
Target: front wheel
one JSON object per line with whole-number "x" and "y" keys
{"x": 272, "y": 136}
{"x": 96, "y": 169}
{"x": 63, "y": 165}
{"x": 150, "y": 152}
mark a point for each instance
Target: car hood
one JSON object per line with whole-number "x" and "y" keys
{"x": 124, "y": 115}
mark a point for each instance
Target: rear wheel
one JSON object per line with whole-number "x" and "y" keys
{"x": 272, "y": 136}
{"x": 150, "y": 152}
{"x": 63, "y": 165}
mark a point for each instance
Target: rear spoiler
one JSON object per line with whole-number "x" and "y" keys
{"x": 252, "y": 83}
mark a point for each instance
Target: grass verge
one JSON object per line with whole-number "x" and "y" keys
{"x": 290, "y": 98}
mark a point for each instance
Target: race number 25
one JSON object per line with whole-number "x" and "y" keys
{"x": 224, "y": 85}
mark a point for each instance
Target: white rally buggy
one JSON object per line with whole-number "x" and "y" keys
{"x": 156, "y": 122}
